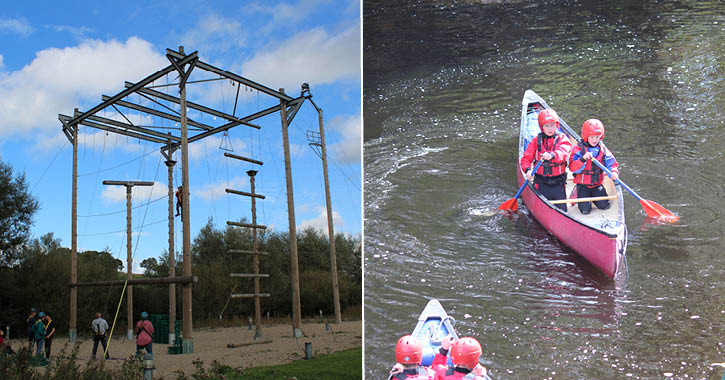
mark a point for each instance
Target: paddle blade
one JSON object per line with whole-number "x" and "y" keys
{"x": 654, "y": 210}
{"x": 510, "y": 205}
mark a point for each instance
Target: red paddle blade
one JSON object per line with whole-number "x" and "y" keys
{"x": 510, "y": 205}
{"x": 655, "y": 210}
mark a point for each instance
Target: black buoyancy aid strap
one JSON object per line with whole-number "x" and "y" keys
{"x": 144, "y": 330}
{"x": 548, "y": 166}
{"x": 594, "y": 171}
{"x": 420, "y": 371}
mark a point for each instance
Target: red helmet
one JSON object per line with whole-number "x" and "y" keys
{"x": 547, "y": 116}
{"x": 592, "y": 127}
{"x": 409, "y": 350}
{"x": 466, "y": 351}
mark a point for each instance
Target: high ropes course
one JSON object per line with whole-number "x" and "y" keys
{"x": 155, "y": 113}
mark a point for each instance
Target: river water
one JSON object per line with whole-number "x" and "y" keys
{"x": 443, "y": 83}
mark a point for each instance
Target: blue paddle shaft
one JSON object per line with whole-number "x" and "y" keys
{"x": 521, "y": 189}
{"x": 609, "y": 173}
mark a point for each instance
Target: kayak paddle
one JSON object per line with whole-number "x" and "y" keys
{"x": 512, "y": 204}
{"x": 652, "y": 209}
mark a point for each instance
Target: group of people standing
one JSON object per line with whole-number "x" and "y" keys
{"x": 41, "y": 331}
{"x": 554, "y": 149}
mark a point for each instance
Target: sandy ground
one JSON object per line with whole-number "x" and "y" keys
{"x": 211, "y": 344}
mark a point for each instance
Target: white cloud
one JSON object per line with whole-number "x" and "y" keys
{"x": 311, "y": 56}
{"x": 214, "y": 191}
{"x": 320, "y": 221}
{"x": 214, "y": 33}
{"x": 296, "y": 151}
{"x": 2, "y": 64}
{"x": 115, "y": 194}
{"x": 19, "y": 26}
{"x": 286, "y": 13}
{"x": 57, "y": 80}
{"x": 77, "y": 32}
{"x": 350, "y": 129}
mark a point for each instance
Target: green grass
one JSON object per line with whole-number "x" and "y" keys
{"x": 340, "y": 365}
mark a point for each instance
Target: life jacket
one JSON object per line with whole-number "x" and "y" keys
{"x": 549, "y": 168}
{"x": 420, "y": 373}
{"x": 592, "y": 175}
{"x": 450, "y": 374}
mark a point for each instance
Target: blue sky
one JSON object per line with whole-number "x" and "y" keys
{"x": 65, "y": 55}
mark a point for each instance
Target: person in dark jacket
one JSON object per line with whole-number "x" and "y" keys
{"x": 49, "y": 334}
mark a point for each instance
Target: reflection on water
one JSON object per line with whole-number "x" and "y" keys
{"x": 443, "y": 83}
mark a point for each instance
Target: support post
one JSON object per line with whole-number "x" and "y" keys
{"x": 129, "y": 263}
{"x": 330, "y": 229}
{"x": 129, "y": 249}
{"x": 72, "y": 329}
{"x": 172, "y": 253}
{"x": 294, "y": 267}
{"x": 188, "y": 342}
{"x": 258, "y": 334}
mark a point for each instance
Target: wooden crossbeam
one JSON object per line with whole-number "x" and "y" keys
{"x": 248, "y": 225}
{"x": 238, "y": 192}
{"x": 243, "y": 158}
{"x": 260, "y": 253}
{"x": 249, "y": 275}
{"x": 158, "y": 113}
{"x": 143, "y": 281}
{"x": 250, "y": 295}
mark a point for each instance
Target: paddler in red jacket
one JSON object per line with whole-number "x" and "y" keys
{"x": 465, "y": 353}
{"x": 553, "y": 147}
{"x": 409, "y": 355}
{"x": 588, "y": 176}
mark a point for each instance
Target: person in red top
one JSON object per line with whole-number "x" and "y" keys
{"x": 409, "y": 356}
{"x": 553, "y": 147}
{"x": 144, "y": 334}
{"x": 588, "y": 176}
{"x": 465, "y": 353}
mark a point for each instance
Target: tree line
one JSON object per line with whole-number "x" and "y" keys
{"x": 35, "y": 272}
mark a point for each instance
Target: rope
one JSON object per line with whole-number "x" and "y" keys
{"x": 115, "y": 317}
{"x": 49, "y": 165}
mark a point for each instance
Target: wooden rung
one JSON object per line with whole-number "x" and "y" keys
{"x": 243, "y": 158}
{"x": 249, "y": 275}
{"x": 261, "y": 253}
{"x": 260, "y": 226}
{"x": 250, "y": 295}
{"x": 577, "y": 200}
{"x": 232, "y": 191}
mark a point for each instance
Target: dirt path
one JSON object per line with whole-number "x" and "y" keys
{"x": 211, "y": 344}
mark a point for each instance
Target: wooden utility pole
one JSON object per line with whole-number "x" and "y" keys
{"x": 72, "y": 330}
{"x": 188, "y": 342}
{"x": 172, "y": 253}
{"x": 257, "y": 304}
{"x": 330, "y": 229}
{"x": 294, "y": 267}
{"x": 129, "y": 249}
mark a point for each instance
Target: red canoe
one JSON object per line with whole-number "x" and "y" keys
{"x": 601, "y": 236}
